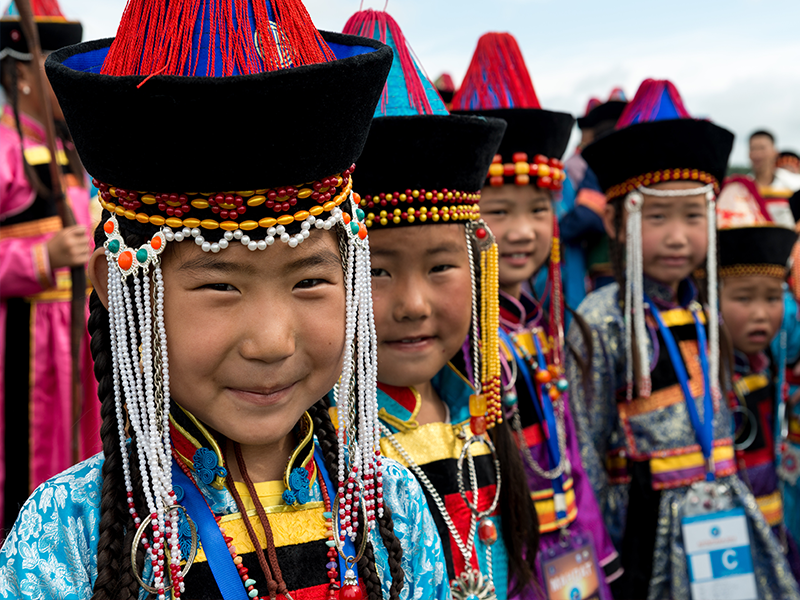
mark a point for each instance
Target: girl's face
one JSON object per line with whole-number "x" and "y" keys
{"x": 674, "y": 233}
{"x": 752, "y": 309}
{"x": 255, "y": 338}
{"x": 421, "y": 291}
{"x": 521, "y": 218}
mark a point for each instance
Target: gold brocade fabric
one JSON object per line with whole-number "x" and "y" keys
{"x": 667, "y": 427}
{"x": 431, "y": 442}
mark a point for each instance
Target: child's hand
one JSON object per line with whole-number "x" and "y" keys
{"x": 69, "y": 247}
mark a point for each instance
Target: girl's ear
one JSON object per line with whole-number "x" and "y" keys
{"x": 98, "y": 274}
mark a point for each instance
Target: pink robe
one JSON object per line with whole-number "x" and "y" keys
{"x": 26, "y": 280}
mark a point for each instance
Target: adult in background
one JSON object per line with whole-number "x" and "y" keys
{"x": 36, "y": 252}
{"x": 789, "y": 161}
{"x": 775, "y": 184}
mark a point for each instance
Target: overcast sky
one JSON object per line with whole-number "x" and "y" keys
{"x": 734, "y": 61}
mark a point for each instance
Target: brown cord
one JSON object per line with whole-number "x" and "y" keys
{"x": 279, "y": 583}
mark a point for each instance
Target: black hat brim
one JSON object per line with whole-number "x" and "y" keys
{"x": 755, "y": 246}
{"x": 177, "y": 134}
{"x": 431, "y": 152}
{"x": 531, "y": 130}
{"x": 53, "y": 35}
{"x": 608, "y": 111}
{"x": 658, "y": 146}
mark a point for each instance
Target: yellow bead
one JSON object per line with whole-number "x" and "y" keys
{"x": 388, "y": 197}
{"x": 522, "y": 168}
{"x": 397, "y": 212}
{"x": 396, "y": 220}
{"x": 174, "y": 222}
{"x": 382, "y": 213}
{"x": 301, "y": 215}
{"x": 316, "y": 210}
{"x": 209, "y": 224}
{"x": 248, "y": 225}
{"x": 415, "y": 193}
{"x": 410, "y": 218}
{"x": 268, "y": 222}
{"x": 403, "y": 197}
{"x": 256, "y": 200}
{"x": 428, "y": 195}
{"x": 477, "y": 405}
{"x": 201, "y": 204}
{"x": 304, "y": 192}
{"x": 285, "y": 219}
{"x": 130, "y": 214}
{"x": 229, "y": 225}
{"x": 384, "y": 220}
{"x": 329, "y": 206}
{"x": 246, "y": 193}
{"x": 157, "y": 220}
{"x": 495, "y": 170}
{"x": 191, "y": 222}
{"x": 149, "y": 199}
{"x": 142, "y": 218}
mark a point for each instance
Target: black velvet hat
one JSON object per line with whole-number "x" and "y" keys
{"x": 657, "y": 140}
{"x": 55, "y": 31}
{"x": 420, "y": 164}
{"x": 498, "y": 85}
{"x": 245, "y": 137}
{"x": 607, "y": 111}
{"x": 758, "y": 250}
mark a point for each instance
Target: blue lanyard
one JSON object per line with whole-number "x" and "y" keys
{"x": 544, "y": 409}
{"x": 704, "y": 430}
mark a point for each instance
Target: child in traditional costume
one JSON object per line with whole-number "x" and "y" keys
{"x": 36, "y": 251}
{"x": 219, "y": 456}
{"x": 656, "y": 434}
{"x": 517, "y": 204}
{"x": 435, "y": 288}
{"x": 752, "y": 270}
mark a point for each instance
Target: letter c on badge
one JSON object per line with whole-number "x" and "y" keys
{"x": 729, "y": 560}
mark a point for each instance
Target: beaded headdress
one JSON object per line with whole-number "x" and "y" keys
{"x": 222, "y": 97}
{"x": 423, "y": 166}
{"x": 656, "y": 140}
{"x": 55, "y": 30}
{"x": 497, "y": 84}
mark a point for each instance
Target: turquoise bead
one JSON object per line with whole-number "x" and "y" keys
{"x": 327, "y": 515}
{"x": 249, "y": 582}
{"x": 113, "y": 246}
{"x": 254, "y": 592}
{"x": 330, "y": 543}
{"x": 510, "y": 399}
{"x": 354, "y": 227}
{"x": 141, "y": 255}
{"x": 562, "y": 385}
{"x": 472, "y": 597}
{"x": 360, "y": 214}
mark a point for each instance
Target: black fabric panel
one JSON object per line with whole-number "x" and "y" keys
{"x": 41, "y": 208}
{"x": 639, "y": 540}
{"x": 179, "y": 134}
{"x": 608, "y": 111}
{"x": 663, "y": 375}
{"x": 302, "y": 566}
{"x": 659, "y": 145}
{"x": 17, "y": 402}
{"x": 752, "y": 400}
{"x": 527, "y": 410}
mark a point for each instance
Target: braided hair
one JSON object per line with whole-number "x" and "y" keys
{"x": 326, "y": 434}
{"x": 115, "y": 580}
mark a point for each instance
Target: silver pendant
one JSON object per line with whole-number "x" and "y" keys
{"x": 471, "y": 585}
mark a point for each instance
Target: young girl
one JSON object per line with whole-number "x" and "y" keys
{"x": 656, "y": 439}
{"x": 257, "y": 294}
{"x": 516, "y": 203}
{"x": 36, "y": 252}
{"x": 438, "y": 370}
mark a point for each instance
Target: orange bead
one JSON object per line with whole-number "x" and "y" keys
{"x": 108, "y": 227}
{"x": 477, "y": 425}
{"x": 125, "y": 260}
{"x": 543, "y": 376}
{"x": 346, "y": 218}
{"x": 362, "y": 231}
{"x": 554, "y": 393}
{"x": 156, "y": 242}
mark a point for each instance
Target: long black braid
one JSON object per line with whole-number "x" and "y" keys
{"x": 326, "y": 434}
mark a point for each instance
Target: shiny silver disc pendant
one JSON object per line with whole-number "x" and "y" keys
{"x": 472, "y": 585}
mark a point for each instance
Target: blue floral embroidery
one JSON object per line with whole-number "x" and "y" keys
{"x": 184, "y": 536}
{"x": 298, "y": 486}
{"x": 289, "y": 497}
{"x": 206, "y": 466}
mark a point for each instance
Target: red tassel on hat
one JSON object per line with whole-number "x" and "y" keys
{"x": 157, "y": 37}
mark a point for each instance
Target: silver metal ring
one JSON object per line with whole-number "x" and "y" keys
{"x": 474, "y": 507}
{"x": 337, "y": 542}
{"x": 750, "y": 418}
{"x": 138, "y": 537}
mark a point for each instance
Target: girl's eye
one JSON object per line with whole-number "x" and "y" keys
{"x": 540, "y": 209}
{"x": 743, "y": 299}
{"x": 497, "y": 213}
{"x": 655, "y": 217}
{"x": 379, "y": 272}
{"x": 220, "y": 287}
{"x": 307, "y": 284}
{"x": 441, "y": 268}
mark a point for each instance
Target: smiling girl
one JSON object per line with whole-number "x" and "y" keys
{"x": 435, "y": 288}
{"x": 656, "y": 437}
{"x": 524, "y": 180}
{"x": 221, "y": 319}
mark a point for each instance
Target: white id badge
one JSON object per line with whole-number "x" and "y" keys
{"x": 716, "y": 538}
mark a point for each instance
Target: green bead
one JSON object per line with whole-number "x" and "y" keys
{"x": 113, "y": 246}
{"x": 354, "y": 227}
{"x": 141, "y": 255}
{"x": 562, "y": 385}
{"x": 330, "y": 543}
{"x": 327, "y": 515}
{"x": 249, "y": 582}
{"x": 253, "y": 593}
{"x": 360, "y": 214}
